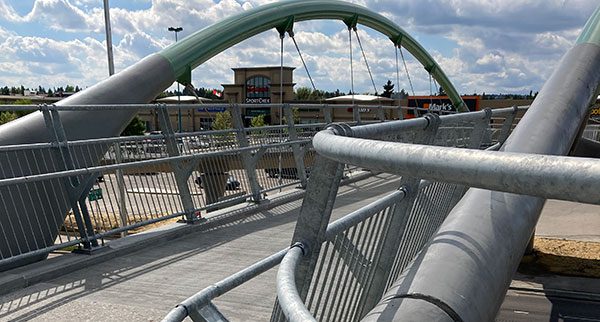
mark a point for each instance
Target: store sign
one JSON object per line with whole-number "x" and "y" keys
{"x": 258, "y": 100}
{"x": 257, "y": 111}
{"x": 438, "y": 104}
{"x": 212, "y": 109}
{"x": 95, "y": 194}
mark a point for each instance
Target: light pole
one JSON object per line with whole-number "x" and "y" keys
{"x": 109, "y": 49}
{"x": 177, "y": 30}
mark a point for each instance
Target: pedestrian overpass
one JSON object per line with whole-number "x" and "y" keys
{"x": 443, "y": 246}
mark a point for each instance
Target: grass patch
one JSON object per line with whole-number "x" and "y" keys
{"x": 563, "y": 257}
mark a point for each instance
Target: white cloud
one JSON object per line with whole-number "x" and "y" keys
{"x": 487, "y": 45}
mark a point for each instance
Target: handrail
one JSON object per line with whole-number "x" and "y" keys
{"x": 287, "y": 293}
{"x": 552, "y": 177}
{"x": 204, "y": 297}
{"x": 135, "y": 164}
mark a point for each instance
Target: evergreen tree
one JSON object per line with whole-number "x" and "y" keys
{"x": 388, "y": 89}
{"x": 135, "y": 127}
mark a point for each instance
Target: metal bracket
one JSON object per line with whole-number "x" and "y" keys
{"x": 479, "y": 130}
{"x": 75, "y": 190}
{"x": 287, "y": 26}
{"x": 351, "y": 22}
{"x": 397, "y": 40}
{"x": 181, "y": 171}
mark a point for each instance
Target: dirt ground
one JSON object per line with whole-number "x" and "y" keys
{"x": 563, "y": 257}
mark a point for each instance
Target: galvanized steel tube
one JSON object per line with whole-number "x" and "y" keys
{"x": 204, "y": 297}
{"x": 467, "y": 267}
{"x": 566, "y": 178}
{"x": 287, "y": 293}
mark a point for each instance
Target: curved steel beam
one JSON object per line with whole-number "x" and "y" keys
{"x": 210, "y": 41}
{"x": 141, "y": 82}
{"x": 469, "y": 263}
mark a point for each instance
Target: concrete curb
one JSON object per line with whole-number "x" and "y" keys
{"x": 42, "y": 271}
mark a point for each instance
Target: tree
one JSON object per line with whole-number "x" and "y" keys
{"x": 403, "y": 94}
{"x": 135, "y": 127}
{"x": 388, "y": 89}
{"x": 258, "y": 121}
{"x": 222, "y": 121}
{"x": 303, "y": 93}
{"x": 441, "y": 92}
{"x": 7, "y": 116}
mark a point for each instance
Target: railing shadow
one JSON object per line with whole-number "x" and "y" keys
{"x": 42, "y": 298}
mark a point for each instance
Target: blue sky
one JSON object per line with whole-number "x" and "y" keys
{"x": 482, "y": 45}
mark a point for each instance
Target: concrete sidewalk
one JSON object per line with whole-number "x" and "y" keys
{"x": 569, "y": 220}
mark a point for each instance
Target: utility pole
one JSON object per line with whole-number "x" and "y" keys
{"x": 109, "y": 49}
{"x": 179, "y": 127}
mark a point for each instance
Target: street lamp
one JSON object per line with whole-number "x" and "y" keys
{"x": 177, "y": 30}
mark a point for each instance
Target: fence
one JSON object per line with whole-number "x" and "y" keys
{"x": 338, "y": 271}
{"x": 67, "y": 194}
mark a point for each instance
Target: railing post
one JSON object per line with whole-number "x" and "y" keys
{"x": 480, "y": 129}
{"x": 314, "y": 216}
{"x": 247, "y": 160}
{"x": 76, "y": 192}
{"x": 356, "y": 114}
{"x": 182, "y": 171}
{"x": 328, "y": 113}
{"x": 392, "y": 236}
{"x": 121, "y": 188}
{"x": 297, "y": 150}
{"x": 381, "y": 113}
{"x": 507, "y": 125}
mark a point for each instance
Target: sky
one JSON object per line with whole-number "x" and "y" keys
{"x": 491, "y": 46}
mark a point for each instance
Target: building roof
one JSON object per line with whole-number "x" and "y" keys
{"x": 359, "y": 98}
{"x": 264, "y": 67}
{"x": 182, "y": 99}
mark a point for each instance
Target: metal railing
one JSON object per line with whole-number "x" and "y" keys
{"x": 337, "y": 273}
{"x": 451, "y": 171}
{"x": 67, "y": 194}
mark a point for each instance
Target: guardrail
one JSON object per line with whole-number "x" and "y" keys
{"x": 337, "y": 271}
{"x": 67, "y": 194}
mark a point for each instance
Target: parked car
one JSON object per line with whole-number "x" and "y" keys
{"x": 288, "y": 173}
{"x": 231, "y": 184}
{"x": 196, "y": 143}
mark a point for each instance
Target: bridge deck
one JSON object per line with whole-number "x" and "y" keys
{"x": 145, "y": 285}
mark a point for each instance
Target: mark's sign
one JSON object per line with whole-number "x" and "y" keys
{"x": 438, "y": 104}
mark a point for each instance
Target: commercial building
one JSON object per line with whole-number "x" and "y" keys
{"x": 261, "y": 85}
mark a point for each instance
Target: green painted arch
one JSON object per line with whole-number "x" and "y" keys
{"x": 197, "y": 48}
{"x": 591, "y": 31}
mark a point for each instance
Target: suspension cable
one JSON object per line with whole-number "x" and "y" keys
{"x": 430, "y": 92}
{"x": 281, "y": 36}
{"x": 291, "y": 33}
{"x": 400, "y": 113}
{"x": 366, "y": 62}
{"x": 280, "y": 159}
{"x": 412, "y": 89}
{"x": 351, "y": 67}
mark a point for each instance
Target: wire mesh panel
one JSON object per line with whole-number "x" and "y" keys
{"x": 434, "y": 202}
{"x": 345, "y": 268}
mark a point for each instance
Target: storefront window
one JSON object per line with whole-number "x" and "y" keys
{"x": 258, "y": 90}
